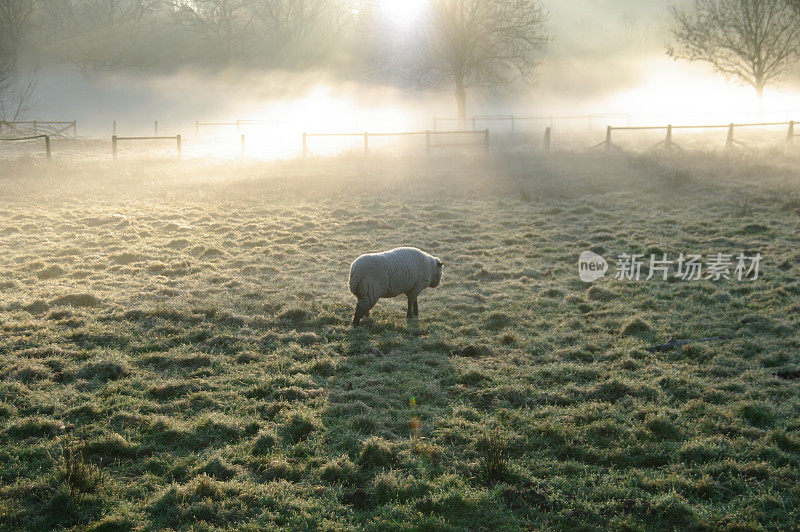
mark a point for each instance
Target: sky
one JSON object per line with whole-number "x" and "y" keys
{"x": 606, "y": 56}
{"x": 610, "y": 56}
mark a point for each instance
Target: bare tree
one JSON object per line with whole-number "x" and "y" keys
{"x": 16, "y": 86}
{"x": 98, "y": 35}
{"x": 474, "y": 43}
{"x": 751, "y": 41}
{"x": 226, "y": 24}
{"x": 298, "y": 31}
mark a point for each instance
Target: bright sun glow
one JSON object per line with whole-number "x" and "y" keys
{"x": 275, "y": 129}
{"x": 402, "y": 12}
{"x": 693, "y": 96}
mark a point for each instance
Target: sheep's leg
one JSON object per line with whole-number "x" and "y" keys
{"x": 416, "y": 308}
{"x": 412, "y": 302}
{"x": 365, "y": 303}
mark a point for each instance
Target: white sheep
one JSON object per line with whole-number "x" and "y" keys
{"x": 406, "y": 271}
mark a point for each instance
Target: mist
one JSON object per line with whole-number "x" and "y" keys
{"x": 603, "y": 57}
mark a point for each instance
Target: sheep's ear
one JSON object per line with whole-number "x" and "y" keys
{"x": 439, "y": 263}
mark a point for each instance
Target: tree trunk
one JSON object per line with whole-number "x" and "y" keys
{"x": 760, "y": 88}
{"x": 759, "y": 84}
{"x": 461, "y": 102}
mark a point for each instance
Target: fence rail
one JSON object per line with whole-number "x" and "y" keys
{"x": 513, "y": 119}
{"x": 114, "y": 128}
{"x": 115, "y": 139}
{"x": 669, "y": 144}
{"x": 238, "y": 124}
{"x": 429, "y": 145}
{"x": 38, "y": 127}
{"x": 46, "y": 142}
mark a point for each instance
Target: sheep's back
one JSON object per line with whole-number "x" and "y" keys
{"x": 391, "y": 273}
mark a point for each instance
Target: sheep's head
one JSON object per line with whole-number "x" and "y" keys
{"x": 437, "y": 274}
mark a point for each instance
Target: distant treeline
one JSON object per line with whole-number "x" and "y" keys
{"x": 455, "y": 44}
{"x": 98, "y": 36}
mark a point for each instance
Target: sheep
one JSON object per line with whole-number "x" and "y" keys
{"x": 400, "y": 271}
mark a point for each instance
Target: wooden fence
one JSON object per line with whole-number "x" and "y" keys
{"x": 37, "y": 127}
{"x": 114, "y": 128}
{"x": 115, "y": 139}
{"x": 669, "y": 144}
{"x": 238, "y": 124}
{"x": 429, "y": 145}
{"x": 513, "y": 119}
{"x": 45, "y": 137}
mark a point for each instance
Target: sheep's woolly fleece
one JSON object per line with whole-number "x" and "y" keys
{"x": 403, "y": 270}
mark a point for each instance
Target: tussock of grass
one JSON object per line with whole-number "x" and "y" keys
{"x": 472, "y": 377}
{"x": 217, "y": 468}
{"x": 35, "y": 427}
{"x": 493, "y": 448}
{"x": 39, "y": 306}
{"x": 497, "y": 320}
{"x": 27, "y": 371}
{"x": 171, "y": 389}
{"x": 598, "y": 293}
{"x": 340, "y": 470}
{"x": 217, "y": 427}
{"x": 110, "y": 447}
{"x": 273, "y": 469}
{"x": 757, "y": 414}
{"x": 265, "y": 442}
{"x": 75, "y": 473}
{"x": 76, "y": 300}
{"x": 294, "y": 316}
{"x": 299, "y": 424}
{"x": 105, "y": 369}
{"x": 636, "y": 327}
{"x": 376, "y": 452}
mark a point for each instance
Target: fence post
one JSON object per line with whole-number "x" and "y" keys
{"x": 547, "y": 140}
{"x": 242, "y": 145}
{"x": 608, "y": 137}
{"x": 74, "y": 129}
{"x": 35, "y": 130}
{"x": 47, "y": 146}
{"x": 155, "y": 127}
{"x": 179, "y": 145}
{"x": 790, "y": 133}
{"x": 196, "y": 128}
{"x": 729, "y": 140}
{"x": 486, "y": 139}
{"x": 114, "y": 128}
{"x": 428, "y": 142}
{"x": 668, "y": 140}
{"x": 114, "y": 145}
{"x": 305, "y": 146}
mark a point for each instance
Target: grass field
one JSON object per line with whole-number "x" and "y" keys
{"x": 175, "y": 349}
